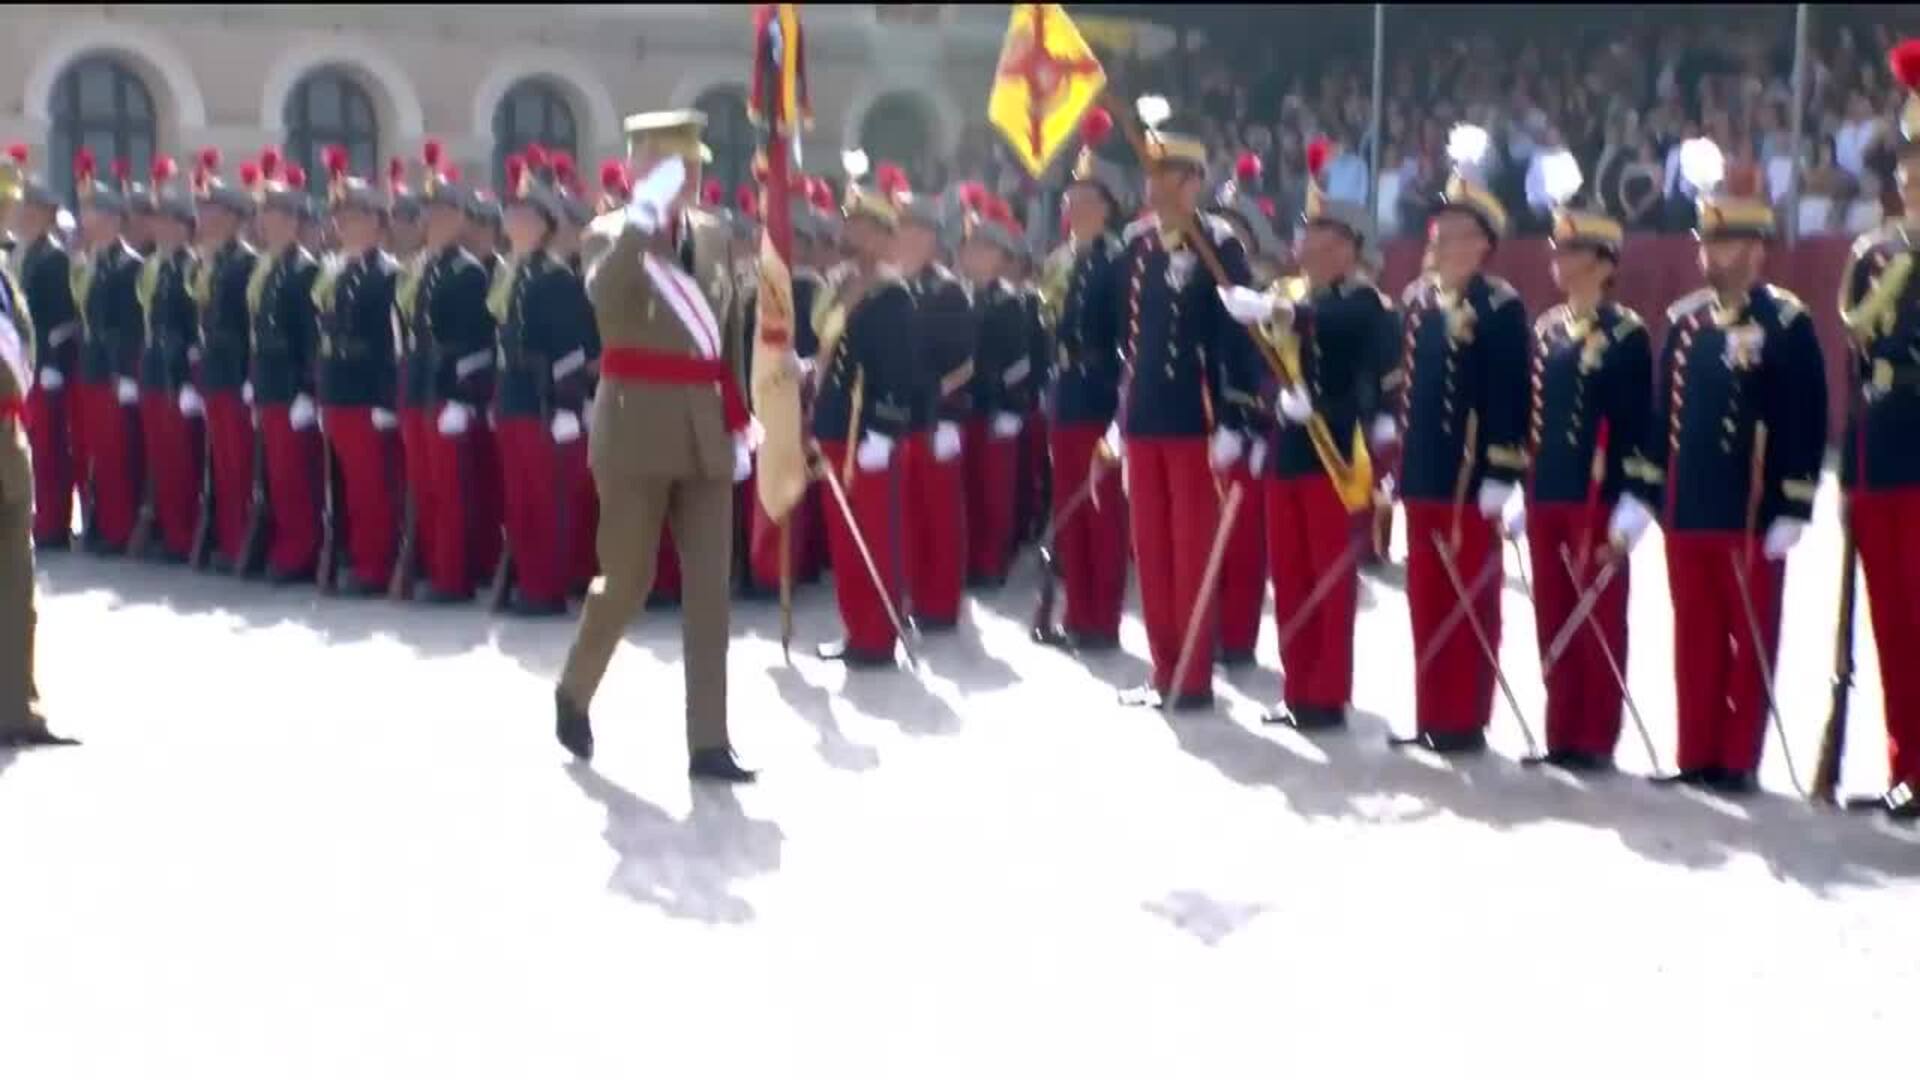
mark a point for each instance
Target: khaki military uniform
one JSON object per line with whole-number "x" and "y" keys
{"x": 660, "y": 453}
{"x": 18, "y": 695}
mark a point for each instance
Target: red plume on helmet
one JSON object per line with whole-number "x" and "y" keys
{"x": 564, "y": 169}
{"x": 83, "y": 166}
{"x": 18, "y": 152}
{"x": 163, "y": 170}
{"x": 1904, "y": 61}
{"x": 1096, "y": 126}
{"x": 747, "y": 200}
{"x": 613, "y": 177}
{"x": 296, "y": 177}
{"x": 1248, "y": 168}
{"x": 335, "y": 160}
{"x": 537, "y": 157}
{"x": 432, "y": 153}
{"x": 210, "y": 159}
{"x": 250, "y": 175}
{"x": 973, "y": 196}
{"x": 1318, "y": 153}
{"x": 270, "y": 162}
{"x": 122, "y": 171}
{"x": 712, "y": 193}
{"x": 890, "y": 179}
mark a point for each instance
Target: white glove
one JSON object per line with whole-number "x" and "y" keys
{"x": 647, "y": 210}
{"x": 301, "y": 414}
{"x": 1385, "y": 432}
{"x": 742, "y": 458}
{"x": 51, "y": 379}
{"x": 1225, "y": 448}
{"x": 1247, "y": 306}
{"x": 1296, "y": 404}
{"x": 385, "y": 420}
{"x": 874, "y": 452}
{"x": 1782, "y": 535}
{"x": 454, "y": 418}
{"x": 565, "y": 428}
{"x": 246, "y": 393}
{"x": 1628, "y": 523}
{"x": 191, "y": 403}
{"x": 1494, "y": 496}
{"x": 1006, "y": 425}
{"x": 1115, "y": 444}
{"x": 1257, "y": 456}
{"x": 128, "y": 391}
{"x": 1513, "y": 518}
{"x": 946, "y": 441}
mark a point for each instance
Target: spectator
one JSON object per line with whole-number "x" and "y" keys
{"x": 1640, "y": 187}
{"x": 1856, "y": 136}
{"x": 1346, "y": 177}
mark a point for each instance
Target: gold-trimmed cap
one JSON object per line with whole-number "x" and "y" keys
{"x": 1463, "y": 194}
{"x": 1593, "y": 232}
{"x": 673, "y": 131}
{"x": 1725, "y": 216}
{"x": 1172, "y": 148}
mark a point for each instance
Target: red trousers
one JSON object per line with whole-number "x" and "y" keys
{"x": 1090, "y": 547}
{"x": 1175, "y": 510}
{"x": 1308, "y": 534}
{"x": 540, "y": 479}
{"x": 1886, "y": 525}
{"x": 935, "y": 521}
{"x": 110, "y": 437}
{"x": 1583, "y": 697}
{"x": 992, "y": 479}
{"x": 50, "y": 429}
{"x": 1243, "y": 575}
{"x": 293, "y": 492}
{"x": 172, "y": 443}
{"x": 1453, "y": 695}
{"x": 368, "y": 463}
{"x": 871, "y": 497}
{"x": 230, "y": 437}
{"x": 1719, "y": 692}
{"x": 462, "y": 531}
{"x": 763, "y": 560}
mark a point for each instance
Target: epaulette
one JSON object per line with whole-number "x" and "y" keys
{"x": 1500, "y": 293}
{"x": 1137, "y": 228}
{"x": 1625, "y": 322}
{"x": 1549, "y": 319}
{"x": 1791, "y": 306}
{"x": 1864, "y": 244}
{"x": 388, "y": 263}
{"x": 1689, "y": 304}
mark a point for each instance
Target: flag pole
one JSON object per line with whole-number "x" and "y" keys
{"x": 1798, "y": 121}
{"x": 1373, "y": 112}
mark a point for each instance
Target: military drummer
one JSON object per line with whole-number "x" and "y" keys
{"x": 669, "y": 434}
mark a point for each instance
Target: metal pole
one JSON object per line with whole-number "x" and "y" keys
{"x": 1373, "y": 118}
{"x": 1798, "y": 121}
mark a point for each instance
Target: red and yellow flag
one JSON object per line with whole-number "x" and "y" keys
{"x": 1047, "y": 79}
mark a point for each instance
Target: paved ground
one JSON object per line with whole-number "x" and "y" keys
{"x": 334, "y": 840}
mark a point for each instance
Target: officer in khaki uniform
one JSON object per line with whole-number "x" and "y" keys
{"x": 20, "y": 721}
{"x": 668, "y": 437}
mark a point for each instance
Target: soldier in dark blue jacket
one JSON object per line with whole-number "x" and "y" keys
{"x": 865, "y": 323}
{"x": 1078, "y": 280}
{"x": 1740, "y": 427}
{"x": 1465, "y": 424}
{"x": 106, "y": 288}
{"x": 285, "y": 342}
{"x": 452, "y": 330}
{"x": 1338, "y": 338}
{"x": 1190, "y": 401}
{"x": 1001, "y": 391}
{"x": 1880, "y": 304}
{"x": 171, "y": 409}
{"x": 221, "y": 278}
{"x": 1588, "y": 495}
{"x": 357, "y": 377}
{"x": 46, "y": 281}
{"x": 542, "y": 393}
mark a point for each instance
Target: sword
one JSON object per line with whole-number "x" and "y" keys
{"x": 1613, "y": 663}
{"x": 1582, "y": 610}
{"x": 1458, "y": 615}
{"x": 1216, "y": 558}
{"x": 1320, "y": 591}
{"x": 1480, "y": 635}
{"x": 1049, "y": 579}
{"x": 1766, "y": 667}
{"x": 866, "y": 556}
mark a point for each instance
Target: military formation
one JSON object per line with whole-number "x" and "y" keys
{"x": 539, "y": 397}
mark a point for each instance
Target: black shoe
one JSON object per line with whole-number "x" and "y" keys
{"x": 33, "y": 738}
{"x": 1199, "y": 701}
{"x": 1446, "y": 743}
{"x": 56, "y": 542}
{"x": 427, "y": 594}
{"x": 1141, "y": 697}
{"x": 572, "y": 727}
{"x": 289, "y": 577}
{"x": 718, "y": 764}
{"x": 841, "y": 652}
{"x": 520, "y": 606}
{"x": 218, "y": 564}
{"x": 935, "y": 626}
{"x": 663, "y": 602}
{"x": 1574, "y": 761}
{"x": 1238, "y": 658}
{"x": 1093, "y": 643}
{"x": 1306, "y": 718}
{"x": 1735, "y": 782}
{"x": 1708, "y": 777}
{"x": 349, "y": 585}
{"x": 1051, "y": 636}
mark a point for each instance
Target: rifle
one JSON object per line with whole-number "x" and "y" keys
{"x": 203, "y": 527}
{"x": 400, "y": 585}
{"x": 1833, "y": 741}
{"x": 325, "y": 567}
{"x": 253, "y": 547}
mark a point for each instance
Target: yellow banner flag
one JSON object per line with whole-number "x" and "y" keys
{"x": 1047, "y": 79}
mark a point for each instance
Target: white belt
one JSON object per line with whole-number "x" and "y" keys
{"x": 1017, "y": 372}
{"x": 472, "y": 363}
{"x": 63, "y": 333}
{"x": 569, "y": 364}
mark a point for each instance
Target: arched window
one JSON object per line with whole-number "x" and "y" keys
{"x": 329, "y": 108}
{"x": 533, "y": 111}
{"x": 729, "y": 135}
{"x": 99, "y": 103}
{"x": 899, "y": 128}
